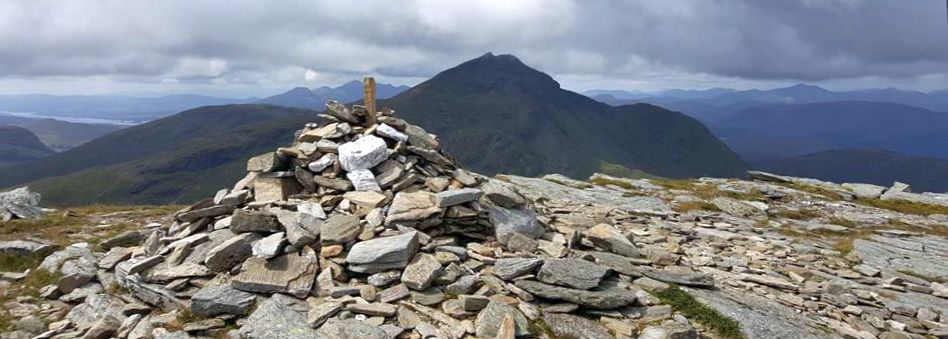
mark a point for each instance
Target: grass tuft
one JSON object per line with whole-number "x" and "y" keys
{"x": 796, "y": 214}
{"x": 903, "y": 206}
{"x": 10, "y": 262}
{"x": 688, "y": 206}
{"x": 683, "y": 302}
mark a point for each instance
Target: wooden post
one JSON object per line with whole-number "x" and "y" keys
{"x": 368, "y": 88}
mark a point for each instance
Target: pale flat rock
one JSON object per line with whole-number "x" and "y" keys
{"x": 508, "y": 221}
{"x": 275, "y": 318}
{"x": 573, "y": 273}
{"x": 213, "y": 300}
{"x": 571, "y": 326}
{"x": 269, "y": 246}
{"x": 363, "y": 180}
{"x": 608, "y": 237}
{"x": 230, "y": 252}
{"x": 605, "y": 298}
{"x": 421, "y": 271}
{"x": 351, "y": 328}
{"x": 456, "y": 197}
{"x": 291, "y": 273}
{"x": 489, "y": 320}
{"x": 412, "y": 206}
{"x": 509, "y": 268}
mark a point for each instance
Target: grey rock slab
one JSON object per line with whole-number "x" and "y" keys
{"x": 535, "y": 189}
{"x": 125, "y": 239}
{"x": 412, "y": 206}
{"x": 340, "y": 111}
{"x": 274, "y": 318}
{"x": 163, "y": 273}
{"x": 267, "y": 162}
{"x": 25, "y": 247}
{"x": 489, "y": 320}
{"x": 244, "y": 221}
{"x": 320, "y": 312}
{"x": 213, "y": 300}
{"x": 373, "y": 309}
{"x": 323, "y": 162}
{"x": 458, "y": 196}
{"x": 363, "y": 153}
{"x": 333, "y": 183}
{"x": 571, "y": 326}
{"x": 760, "y": 317}
{"x": 503, "y": 194}
{"x": 142, "y": 264}
{"x": 574, "y": 273}
{"x": 269, "y": 246}
{"x": 231, "y": 252}
{"x": 608, "y": 237}
{"x": 420, "y": 271}
{"x": 382, "y": 254}
{"x": 292, "y": 273}
{"x": 351, "y": 329}
{"x": 685, "y": 278}
{"x": 509, "y": 268}
{"x": 737, "y": 208}
{"x": 207, "y": 212}
{"x": 864, "y": 191}
{"x": 363, "y": 180}
{"x": 619, "y": 263}
{"x": 113, "y": 257}
{"x": 390, "y": 132}
{"x": 508, "y": 221}
{"x": 603, "y": 298}
{"x": 339, "y": 229}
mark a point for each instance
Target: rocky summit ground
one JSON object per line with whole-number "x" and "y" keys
{"x": 366, "y": 229}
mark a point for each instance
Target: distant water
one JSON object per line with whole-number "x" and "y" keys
{"x": 70, "y": 119}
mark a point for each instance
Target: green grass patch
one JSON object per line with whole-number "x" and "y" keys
{"x": 617, "y": 170}
{"x": 842, "y": 222}
{"x": 903, "y": 206}
{"x": 10, "y": 262}
{"x": 796, "y": 214}
{"x": 812, "y": 189}
{"x": 683, "y": 302}
{"x": 688, "y": 206}
{"x": 601, "y": 181}
{"x": 922, "y": 276}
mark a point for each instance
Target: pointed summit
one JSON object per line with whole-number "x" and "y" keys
{"x": 497, "y": 71}
{"x": 498, "y": 115}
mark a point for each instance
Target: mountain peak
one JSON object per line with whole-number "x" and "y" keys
{"x": 497, "y": 71}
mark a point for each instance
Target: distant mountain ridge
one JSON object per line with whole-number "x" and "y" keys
{"x": 796, "y": 94}
{"x": 880, "y": 167}
{"x": 316, "y": 98}
{"x": 497, "y": 115}
{"x": 19, "y": 145}
{"x": 60, "y": 135}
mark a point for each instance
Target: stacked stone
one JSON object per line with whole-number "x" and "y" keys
{"x": 368, "y": 226}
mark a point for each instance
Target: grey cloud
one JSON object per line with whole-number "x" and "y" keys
{"x": 274, "y": 42}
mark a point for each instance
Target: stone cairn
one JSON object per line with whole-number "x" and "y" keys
{"x": 363, "y": 228}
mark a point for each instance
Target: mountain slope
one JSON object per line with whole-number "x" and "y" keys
{"x": 870, "y": 125}
{"x": 19, "y": 145}
{"x": 496, "y": 114}
{"x": 60, "y": 135}
{"x": 215, "y": 126}
{"x": 316, "y": 98}
{"x": 925, "y": 174}
{"x": 187, "y": 172}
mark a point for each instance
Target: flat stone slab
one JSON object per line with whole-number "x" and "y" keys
{"x": 215, "y": 300}
{"x": 291, "y": 273}
{"x": 382, "y": 254}
{"x": 606, "y": 298}
{"x": 275, "y": 318}
{"x": 574, "y": 273}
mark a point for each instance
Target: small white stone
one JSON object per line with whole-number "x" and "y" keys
{"x": 391, "y": 133}
{"x": 363, "y": 154}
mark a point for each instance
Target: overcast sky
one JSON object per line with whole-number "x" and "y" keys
{"x": 243, "y": 48}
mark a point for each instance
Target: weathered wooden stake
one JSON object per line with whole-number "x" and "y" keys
{"x": 368, "y": 88}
